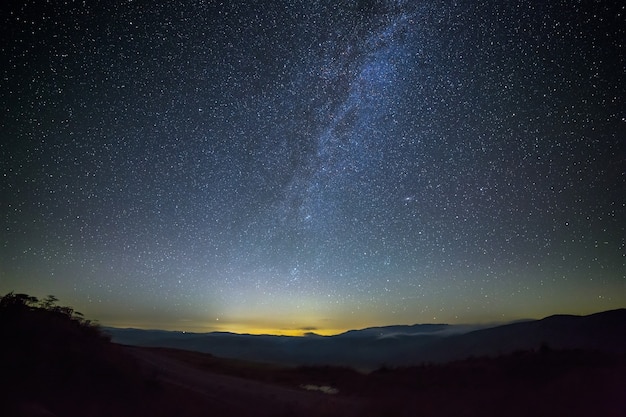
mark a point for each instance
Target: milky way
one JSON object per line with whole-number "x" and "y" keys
{"x": 287, "y": 165}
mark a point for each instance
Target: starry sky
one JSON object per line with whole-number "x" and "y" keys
{"x": 310, "y": 165}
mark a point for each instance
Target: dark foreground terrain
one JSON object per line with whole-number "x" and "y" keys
{"x": 55, "y": 363}
{"x": 541, "y": 383}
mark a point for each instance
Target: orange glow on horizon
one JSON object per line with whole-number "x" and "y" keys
{"x": 288, "y": 332}
{"x": 235, "y": 328}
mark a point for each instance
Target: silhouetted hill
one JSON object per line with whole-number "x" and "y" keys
{"x": 399, "y": 345}
{"x": 363, "y": 351}
{"x": 53, "y": 362}
{"x": 390, "y": 331}
{"x": 603, "y": 332}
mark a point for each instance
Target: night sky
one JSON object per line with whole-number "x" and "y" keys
{"x": 293, "y": 166}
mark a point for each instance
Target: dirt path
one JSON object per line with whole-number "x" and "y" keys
{"x": 246, "y": 397}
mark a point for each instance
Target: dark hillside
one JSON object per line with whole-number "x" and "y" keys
{"x": 55, "y": 363}
{"x": 603, "y": 332}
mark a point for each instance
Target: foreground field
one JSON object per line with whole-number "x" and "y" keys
{"x": 542, "y": 383}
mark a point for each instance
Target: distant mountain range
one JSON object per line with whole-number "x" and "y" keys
{"x": 374, "y": 347}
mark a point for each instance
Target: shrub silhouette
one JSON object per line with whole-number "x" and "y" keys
{"x": 49, "y": 302}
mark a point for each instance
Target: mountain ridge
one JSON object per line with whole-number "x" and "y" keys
{"x": 372, "y": 347}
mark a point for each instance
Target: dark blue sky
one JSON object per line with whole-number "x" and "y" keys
{"x": 287, "y": 165}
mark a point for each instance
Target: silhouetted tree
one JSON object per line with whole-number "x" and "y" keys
{"x": 26, "y": 299}
{"x": 49, "y": 302}
{"x": 11, "y": 300}
{"x": 66, "y": 311}
{"x": 79, "y": 317}
{"x": 6, "y": 300}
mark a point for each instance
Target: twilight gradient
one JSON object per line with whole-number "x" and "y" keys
{"x": 293, "y": 166}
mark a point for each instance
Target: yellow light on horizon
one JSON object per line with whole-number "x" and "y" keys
{"x": 288, "y": 332}
{"x": 236, "y": 328}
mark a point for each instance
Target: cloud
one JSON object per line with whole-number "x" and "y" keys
{"x": 454, "y": 329}
{"x": 326, "y": 389}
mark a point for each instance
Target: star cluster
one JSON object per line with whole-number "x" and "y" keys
{"x": 288, "y": 165}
